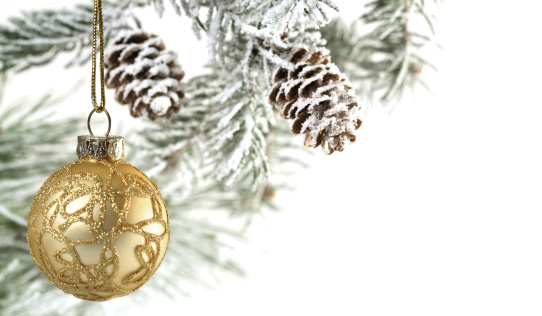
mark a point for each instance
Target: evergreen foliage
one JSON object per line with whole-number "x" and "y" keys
{"x": 263, "y": 19}
{"x": 225, "y": 152}
{"x": 388, "y": 58}
{"x": 37, "y": 37}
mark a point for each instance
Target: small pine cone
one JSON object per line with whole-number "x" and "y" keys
{"x": 319, "y": 98}
{"x": 145, "y": 75}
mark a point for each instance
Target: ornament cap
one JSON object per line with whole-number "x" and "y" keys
{"x": 99, "y": 147}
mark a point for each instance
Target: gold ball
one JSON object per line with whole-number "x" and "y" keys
{"x": 98, "y": 229}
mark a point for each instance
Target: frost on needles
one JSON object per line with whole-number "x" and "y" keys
{"x": 227, "y": 149}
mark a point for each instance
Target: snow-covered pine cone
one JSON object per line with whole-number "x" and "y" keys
{"x": 319, "y": 98}
{"x": 145, "y": 75}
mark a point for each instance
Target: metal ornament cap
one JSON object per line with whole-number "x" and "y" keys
{"x": 99, "y": 147}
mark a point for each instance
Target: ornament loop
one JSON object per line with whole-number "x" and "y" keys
{"x": 108, "y": 121}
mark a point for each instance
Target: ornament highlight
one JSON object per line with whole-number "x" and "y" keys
{"x": 98, "y": 227}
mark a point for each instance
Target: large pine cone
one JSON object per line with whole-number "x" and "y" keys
{"x": 319, "y": 98}
{"x": 145, "y": 75}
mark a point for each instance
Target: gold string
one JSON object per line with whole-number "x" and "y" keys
{"x": 98, "y": 21}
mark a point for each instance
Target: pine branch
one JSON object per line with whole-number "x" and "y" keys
{"x": 237, "y": 136}
{"x": 253, "y": 19}
{"x": 190, "y": 155}
{"x": 38, "y": 37}
{"x": 226, "y": 134}
{"x": 387, "y": 60}
{"x": 222, "y": 129}
{"x": 173, "y": 149}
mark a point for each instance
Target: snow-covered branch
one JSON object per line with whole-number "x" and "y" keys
{"x": 37, "y": 37}
{"x": 266, "y": 20}
{"x": 388, "y": 59}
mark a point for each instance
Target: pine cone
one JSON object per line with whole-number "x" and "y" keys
{"x": 319, "y": 98}
{"x": 147, "y": 77}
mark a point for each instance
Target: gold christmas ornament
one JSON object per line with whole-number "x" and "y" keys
{"x": 98, "y": 227}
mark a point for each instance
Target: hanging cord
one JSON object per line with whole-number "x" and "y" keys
{"x": 98, "y": 27}
{"x": 98, "y": 19}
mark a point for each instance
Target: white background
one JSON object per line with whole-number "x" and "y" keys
{"x": 436, "y": 210}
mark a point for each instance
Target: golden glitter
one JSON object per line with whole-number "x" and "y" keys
{"x": 98, "y": 229}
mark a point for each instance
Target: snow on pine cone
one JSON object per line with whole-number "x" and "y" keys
{"x": 145, "y": 75}
{"x": 319, "y": 98}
